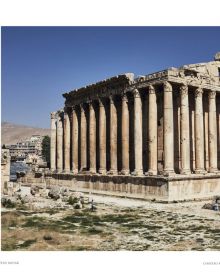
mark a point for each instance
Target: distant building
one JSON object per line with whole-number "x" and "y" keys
{"x": 29, "y": 147}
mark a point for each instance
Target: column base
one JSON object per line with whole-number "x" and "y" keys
{"x": 66, "y": 171}
{"x": 83, "y": 170}
{"x": 151, "y": 172}
{"x": 102, "y": 171}
{"x": 92, "y": 171}
{"x": 125, "y": 172}
{"x": 168, "y": 172}
{"x": 112, "y": 172}
{"x": 74, "y": 171}
{"x": 185, "y": 171}
{"x": 200, "y": 171}
{"x": 213, "y": 170}
{"x": 137, "y": 173}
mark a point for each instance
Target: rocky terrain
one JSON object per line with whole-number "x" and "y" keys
{"x": 38, "y": 218}
{"x": 13, "y": 133}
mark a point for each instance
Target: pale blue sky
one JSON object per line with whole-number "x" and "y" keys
{"x": 41, "y": 63}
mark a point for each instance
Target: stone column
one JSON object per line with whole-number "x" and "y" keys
{"x": 75, "y": 139}
{"x": 66, "y": 132}
{"x": 102, "y": 138}
{"x": 92, "y": 139}
{"x": 53, "y": 133}
{"x": 168, "y": 130}
{"x": 60, "y": 142}
{"x": 212, "y": 132}
{"x": 125, "y": 136}
{"x": 138, "y": 141}
{"x": 152, "y": 119}
{"x": 199, "y": 132}
{"x": 83, "y": 147}
{"x": 184, "y": 131}
{"x": 113, "y": 138}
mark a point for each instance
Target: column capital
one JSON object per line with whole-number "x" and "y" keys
{"x": 81, "y": 107}
{"x": 136, "y": 93}
{"x": 101, "y": 102}
{"x": 212, "y": 94}
{"x": 184, "y": 90}
{"x": 198, "y": 92}
{"x": 151, "y": 89}
{"x": 74, "y": 107}
{"x": 167, "y": 86}
{"x": 90, "y": 103}
{"x": 65, "y": 114}
{"x": 53, "y": 115}
{"x": 111, "y": 98}
{"x": 124, "y": 97}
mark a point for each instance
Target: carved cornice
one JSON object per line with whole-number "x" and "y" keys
{"x": 104, "y": 88}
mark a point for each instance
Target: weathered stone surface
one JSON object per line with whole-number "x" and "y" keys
{"x": 5, "y": 167}
{"x": 217, "y": 56}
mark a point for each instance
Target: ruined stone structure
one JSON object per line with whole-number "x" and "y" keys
{"x": 5, "y": 168}
{"x": 155, "y": 136}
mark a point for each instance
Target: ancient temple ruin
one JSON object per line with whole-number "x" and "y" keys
{"x": 155, "y": 136}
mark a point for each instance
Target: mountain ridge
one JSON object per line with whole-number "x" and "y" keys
{"x": 12, "y": 133}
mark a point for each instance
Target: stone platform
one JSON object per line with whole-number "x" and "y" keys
{"x": 158, "y": 188}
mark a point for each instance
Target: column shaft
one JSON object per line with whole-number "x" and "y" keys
{"x": 60, "y": 142}
{"x": 168, "y": 130}
{"x": 83, "y": 147}
{"x": 212, "y": 132}
{"x": 75, "y": 139}
{"x": 53, "y": 142}
{"x": 152, "y": 125}
{"x": 184, "y": 131}
{"x": 102, "y": 138}
{"x": 138, "y": 141}
{"x": 113, "y": 138}
{"x": 66, "y": 142}
{"x": 92, "y": 138}
{"x": 199, "y": 132}
{"x": 125, "y": 136}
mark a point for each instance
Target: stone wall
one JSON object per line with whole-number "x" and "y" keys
{"x": 149, "y": 188}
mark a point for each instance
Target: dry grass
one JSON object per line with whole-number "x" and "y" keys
{"x": 109, "y": 228}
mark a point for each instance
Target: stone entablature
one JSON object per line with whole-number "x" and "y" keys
{"x": 112, "y": 86}
{"x": 163, "y": 124}
{"x": 195, "y": 75}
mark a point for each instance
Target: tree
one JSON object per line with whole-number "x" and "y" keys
{"x": 46, "y": 149}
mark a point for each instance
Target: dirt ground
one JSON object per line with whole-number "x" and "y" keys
{"x": 116, "y": 224}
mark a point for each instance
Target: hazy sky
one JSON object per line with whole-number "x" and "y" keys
{"x": 41, "y": 63}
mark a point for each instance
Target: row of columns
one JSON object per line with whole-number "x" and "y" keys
{"x": 57, "y": 131}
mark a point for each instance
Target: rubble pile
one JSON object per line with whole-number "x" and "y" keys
{"x": 214, "y": 205}
{"x": 55, "y": 196}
